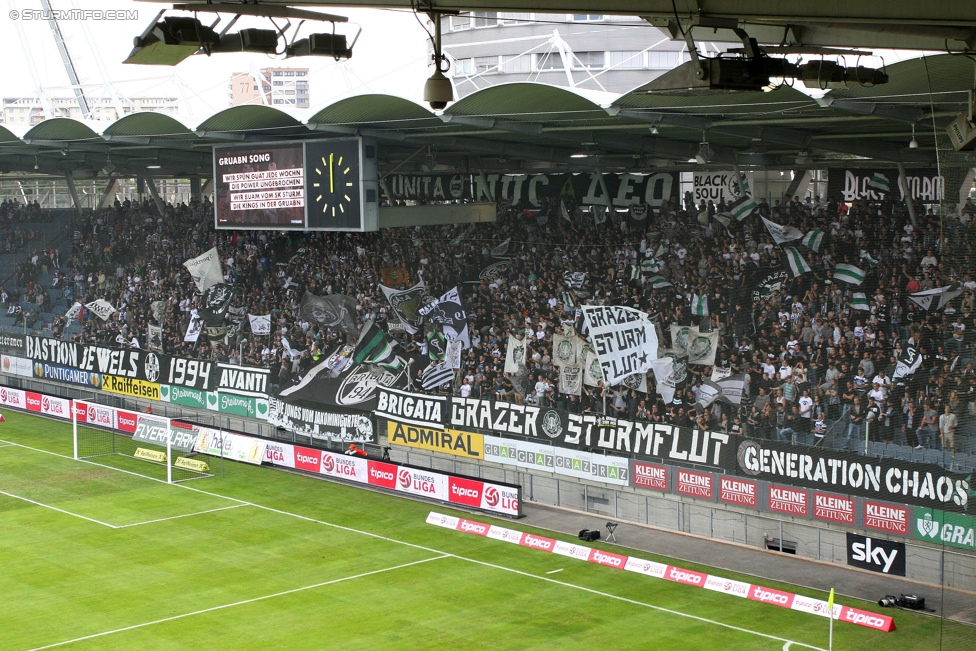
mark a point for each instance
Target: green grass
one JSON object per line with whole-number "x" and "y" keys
{"x": 308, "y": 564}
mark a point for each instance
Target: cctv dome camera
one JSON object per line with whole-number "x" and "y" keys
{"x": 438, "y": 91}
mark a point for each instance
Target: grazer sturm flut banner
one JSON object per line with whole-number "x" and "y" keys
{"x": 847, "y": 473}
{"x": 623, "y": 338}
{"x": 611, "y": 190}
{"x": 595, "y": 432}
{"x": 331, "y": 423}
{"x": 413, "y": 408}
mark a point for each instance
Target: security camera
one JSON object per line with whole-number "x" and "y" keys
{"x": 438, "y": 91}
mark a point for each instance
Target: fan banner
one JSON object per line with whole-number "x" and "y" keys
{"x": 623, "y": 338}
{"x": 406, "y": 303}
{"x": 260, "y": 324}
{"x": 515, "y": 355}
{"x": 101, "y": 308}
{"x": 332, "y": 311}
{"x": 571, "y": 379}
{"x": 205, "y": 270}
{"x": 327, "y": 424}
{"x": 417, "y": 409}
{"x": 154, "y": 338}
{"x": 565, "y": 349}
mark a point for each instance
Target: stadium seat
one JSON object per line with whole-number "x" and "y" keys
{"x": 877, "y": 449}
{"x": 934, "y": 456}
{"x": 903, "y": 452}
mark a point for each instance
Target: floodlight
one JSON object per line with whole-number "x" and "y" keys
{"x": 172, "y": 40}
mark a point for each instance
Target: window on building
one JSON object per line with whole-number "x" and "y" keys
{"x": 276, "y": 73}
{"x": 302, "y": 73}
{"x": 626, "y": 59}
{"x": 509, "y": 18}
{"x": 517, "y": 64}
{"x": 550, "y": 61}
{"x": 278, "y": 101}
{"x": 463, "y": 67}
{"x": 255, "y": 88}
{"x": 589, "y": 60}
{"x": 485, "y": 18}
{"x": 484, "y": 65}
{"x": 460, "y": 23}
{"x": 279, "y": 83}
{"x": 663, "y": 60}
{"x": 581, "y": 18}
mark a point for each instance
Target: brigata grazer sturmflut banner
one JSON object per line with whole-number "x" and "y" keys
{"x": 847, "y": 473}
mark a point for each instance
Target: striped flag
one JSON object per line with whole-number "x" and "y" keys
{"x": 880, "y": 182}
{"x": 568, "y": 299}
{"x": 813, "y": 240}
{"x": 860, "y": 302}
{"x": 871, "y": 262}
{"x": 798, "y": 265}
{"x": 781, "y": 233}
{"x": 659, "y": 282}
{"x": 744, "y": 205}
{"x": 849, "y": 274}
{"x": 437, "y": 375}
{"x": 650, "y": 266}
{"x": 699, "y": 305}
{"x": 635, "y": 272}
{"x": 376, "y": 347}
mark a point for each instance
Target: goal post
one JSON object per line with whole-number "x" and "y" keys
{"x": 148, "y": 444}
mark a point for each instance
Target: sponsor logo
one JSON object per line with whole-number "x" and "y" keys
{"x": 461, "y": 444}
{"x": 537, "y": 542}
{"x": 737, "y": 491}
{"x": 127, "y": 421}
{"x": 695, "y": 484}
{"x": 606, "y": 558}
{"x": 884, "y": 556}
{"x": 647, "y": 475}
{"x": 275, "y": 453}
{"x": 328, "y": 463}
{"x": 770, "y": 596}
{"x": 882, "y": 517}
{"x": 404, "y": 478}
{"x": 491, "y": 496}
{"x": 306, "y": 459}
{"x": 685, "y": 576}
{"x": 833, "y": 509}
{"x": 788, "y": 500}
{"x": 727, "y": 586}
{"x": 474, "y": 527}
{"x": 151, "y": 367}
{"x": 864, "y": 619}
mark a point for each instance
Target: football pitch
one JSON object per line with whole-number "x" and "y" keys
{"x": 96, "y": 555}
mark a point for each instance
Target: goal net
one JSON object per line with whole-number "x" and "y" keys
{"x": 157, "y": 447}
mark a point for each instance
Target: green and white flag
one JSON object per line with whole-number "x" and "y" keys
{"x": 781, "y": 233}
{"x": 880, "y": 182}
{"x": 813, "y": 240}
{"x": 659, "y": 282}
{"x": 871, "y": 262}
{"x": 744, "y": 205}
{"x": 650, "y": 266}
{"x": 860, "y": 302}
{"x": 635, "y": 272}
{"x": 849, "y": 274}
{"x": 699, "y": 305}
{"x": 798, "y": 265}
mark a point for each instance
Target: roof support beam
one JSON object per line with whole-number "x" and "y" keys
{"x": 73, "y": 192}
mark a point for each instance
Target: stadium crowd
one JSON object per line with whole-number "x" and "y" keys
{"x": 813, "y": 358}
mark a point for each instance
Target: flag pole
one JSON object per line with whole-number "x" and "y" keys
{"x": 830, "y": 613}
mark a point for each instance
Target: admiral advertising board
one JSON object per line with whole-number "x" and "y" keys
{"x": 887, "y": 479}
{"x": 459, "y": 444}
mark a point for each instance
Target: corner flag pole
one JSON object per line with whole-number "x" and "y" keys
{"x": 830, "y": 611}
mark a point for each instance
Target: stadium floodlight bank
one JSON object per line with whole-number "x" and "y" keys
{"x": 156, "y": 444}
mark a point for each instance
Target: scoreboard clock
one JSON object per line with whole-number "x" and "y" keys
{"x": 341, "y": 185}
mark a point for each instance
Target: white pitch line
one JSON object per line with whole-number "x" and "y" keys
{"x": 54, "y": 508}
{"x": 554, "y": 571}
{"x": 239, "y": 603}
{"x": 437, "y": 551}
{"x": 177, "y": 517}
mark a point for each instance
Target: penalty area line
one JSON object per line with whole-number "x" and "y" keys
{"x": 239, "y": 603}
{"x": 54, "y": 508}
{"x": 177, "y": 517}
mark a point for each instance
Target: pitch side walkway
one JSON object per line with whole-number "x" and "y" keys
{"x": 958, "y": 606}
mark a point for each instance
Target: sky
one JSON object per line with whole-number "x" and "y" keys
{"x": 389, "y": 57}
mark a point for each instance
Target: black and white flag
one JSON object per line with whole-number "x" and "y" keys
{"x": 734, "y": 388}
{"x": 515, "y": 355}
{"x": 935, "y": 299}
{"x": 193, "y": 329}
{"x": 332, "y": 311}
{"x": 501, "y": 249}
{"x": 571, "y": 379}
{"x": 574, "y": 279}
{"x": 260, "y": 323}
{"x": 154, "y": 338}
{"x": 909, "y": 362}
{"x": 406, "y": 303}
{"x": 448, "y": 313}
{"x": 101, "y": 308}
{"x": 453, "y": 354}
{"x": 623, "y": 338}
{"x": 436, "y": 375}
{"x": 73, "y": 311}
{"x": 205, "y": 270}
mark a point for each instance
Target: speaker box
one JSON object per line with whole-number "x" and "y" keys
{"x": 589, "y": 535}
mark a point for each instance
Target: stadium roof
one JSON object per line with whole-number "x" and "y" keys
{"x": 536, "y": 127}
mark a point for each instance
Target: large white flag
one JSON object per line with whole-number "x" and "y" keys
{"x": 260, "y": 323}
{"x": 781, "y": 233}
{"x": 623, "y": 338}
{"x": 565, "y": 350}
{"x": 101, "y": 308}
{"x": 702, "y": 347}
{"x": 571, "y": 379}
{"x": 73, "y": 311}
{"x": 939, "y": 297}
{"x": 663, "y": 368}
{"x": 514, "y": 355}
{"x": 193, "y": 329}
{"x": 205, "y": 270}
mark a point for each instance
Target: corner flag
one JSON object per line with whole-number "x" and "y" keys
{"x": 830, "y": 601}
